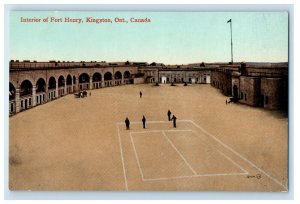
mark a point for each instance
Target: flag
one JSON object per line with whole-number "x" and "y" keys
{"x": 229, "y": 21}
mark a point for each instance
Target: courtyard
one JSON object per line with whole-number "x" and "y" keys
{"x": 82, "y": 143}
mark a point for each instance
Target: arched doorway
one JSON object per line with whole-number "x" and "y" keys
{"x": 127, "y": 77}
{"x": 118, "y": 78}
{"x": 74, "y": 84}
{"x": 97, "y": 80}
{"x": 26, "y": 94}
{"x": 52, "y": 88}
{"x": 12, "y": 97}
{"x": 12, "y": 91}
{"x": 69, "y": 84}
{"x": 84, "y": 80}
{"x": 61, "y": 86}
{"x": 40, "y": 91}
{"x": 108, "y": 79}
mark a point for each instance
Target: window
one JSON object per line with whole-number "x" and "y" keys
{"x": 167, "y": 78}
{"x": 242, "y": 95}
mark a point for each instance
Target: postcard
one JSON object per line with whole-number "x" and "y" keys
{"x": 148, "y": 101}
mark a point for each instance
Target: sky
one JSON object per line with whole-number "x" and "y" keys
{"x": 170, "y": 37}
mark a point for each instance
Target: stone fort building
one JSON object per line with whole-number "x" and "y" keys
{"x": 255, "y": 84}
{"x": 33, "y": 83}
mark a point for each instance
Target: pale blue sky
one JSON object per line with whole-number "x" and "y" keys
{"x": 171, "y": 37}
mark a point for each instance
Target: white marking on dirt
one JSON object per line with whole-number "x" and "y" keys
{"x": 122, "y": 159}
{"x": 182, "y": 157}
{"x": 136, "y": 157}
{"x": 194, "y": 176}
{"x": 238, "y": 154}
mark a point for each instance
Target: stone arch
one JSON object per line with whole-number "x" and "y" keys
{"x": 107, "y": 76}
{"x": 52, "y": 83}
{"x": 12, "y": 91}
{"x": 126, "y": 75}
{"x": 40, "y": 85}
{"x": 69, "y": 80}
{"x": 26, "y": 88}
{"x": 61, "y": 81}
{"x": 84, "y": 78}
{"x": 118, "y": 75}
{"x": 97, "y": 77}
{"x": 15, "y": 83}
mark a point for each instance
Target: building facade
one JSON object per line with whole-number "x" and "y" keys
{"x": 35, "y": 83}
{"x": 255, "y": 84}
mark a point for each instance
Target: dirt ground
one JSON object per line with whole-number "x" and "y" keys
{"x": 82, "y": 143}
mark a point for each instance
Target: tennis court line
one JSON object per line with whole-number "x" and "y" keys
{"x": 122, "y": 158}
{"x": 220, "y": 142}
{"x": 237, "y": 154}
{"x": 178, "y": 152}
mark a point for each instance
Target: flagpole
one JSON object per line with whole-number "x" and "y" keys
{"x": 231, "y": 41}
{"x": 230, "y": 21}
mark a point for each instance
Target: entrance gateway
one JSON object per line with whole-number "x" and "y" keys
{"x": 163, "y": 80}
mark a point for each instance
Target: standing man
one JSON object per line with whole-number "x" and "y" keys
{"x": 144, "y": 122}
{"x": 174, "y": 121}
{"x": 169, "y": 115}
{"x": 141, "y": 94}
{"x": 127, "y": 123}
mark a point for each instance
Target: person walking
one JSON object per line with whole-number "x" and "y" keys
{"x": 144, "y": 122}
{"x": 141, "y": 94}
{"x": 169, "y": 115}
{"x": 174, "y": 121}
{"x": 127, "y": 123}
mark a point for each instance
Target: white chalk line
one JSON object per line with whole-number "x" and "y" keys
{"x": 155, "y": 131}
{"x": 177, "y": 177}
{"x": 122, "y": 159}
{"x": 136, "y": 157}
{"x": 178, "y": 152}
{"x": 138, "y": 160}
{"x": 152, "y": 121}
{"x": 228, "y": 158}
{"x": 238, "y": 154}
{"x": 223, "y": 144}
{"x": 194, "y": 176}
{"x": 236, "y": 164}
